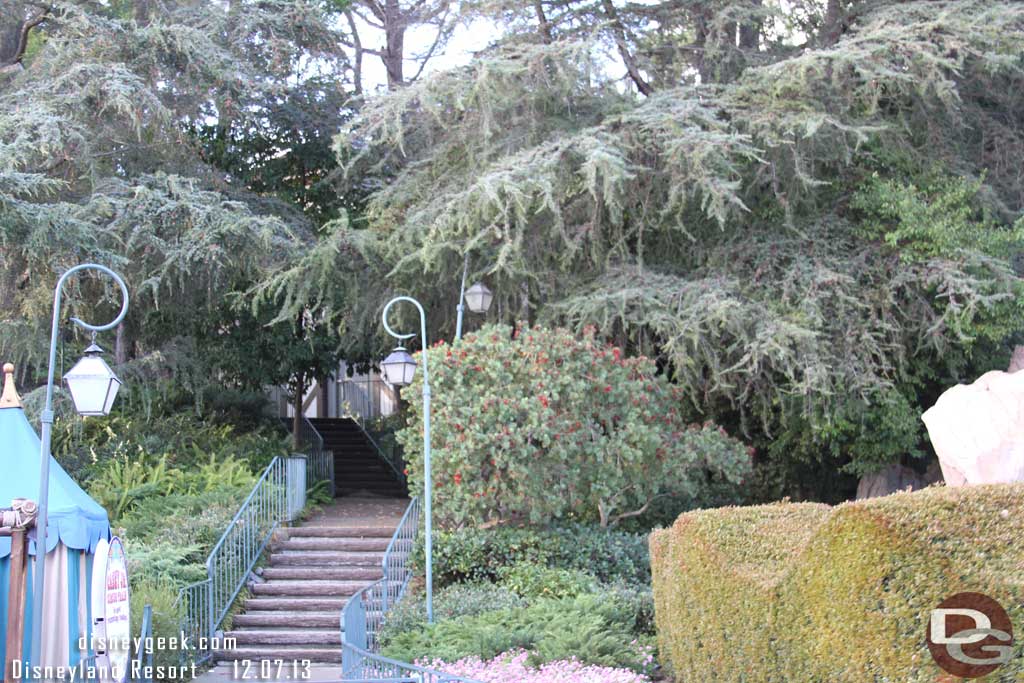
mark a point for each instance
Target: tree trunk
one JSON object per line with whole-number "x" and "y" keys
{"x": 357, "y": 46}
{"x": 120, "y": 346}
{"x": 832, "y": 27}
{"x": 394, "y": 51}
{"x": 544, "y": 26}
{"x": 16, "y": 23}
{"x": 623, "y": 46}
{"x": 700, "y": 42}
{"x": 750, "y": 31}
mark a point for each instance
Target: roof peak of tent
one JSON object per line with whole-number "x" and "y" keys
{"x": 9, "y": 398}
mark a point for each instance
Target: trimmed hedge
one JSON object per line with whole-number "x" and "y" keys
{"x": 805, "y": 592}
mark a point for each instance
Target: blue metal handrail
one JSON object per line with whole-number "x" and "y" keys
{"x": 274, "y": 500}
{"x": 364, "y": 613}
{"x": 391, "y": 458}
{"x": 369, "y": 666}
{"x": 144, "y": 653}
{"x": 397, "y": 572}
{"x": 320, "y": 461}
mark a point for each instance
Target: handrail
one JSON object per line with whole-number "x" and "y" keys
{"x": 271, "y": 502}
{"x": 365, "y": 611}
{"x": 380, "y": 669}
{"x": 268, "y": 499}
{"x": 395, "y": 565}
{"x": 144, "y": 650}
{"x": 321, "y": 462}
{"x": 380, "y": 451}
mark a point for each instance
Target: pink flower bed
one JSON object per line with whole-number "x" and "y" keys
{"x": 511, "y": 668}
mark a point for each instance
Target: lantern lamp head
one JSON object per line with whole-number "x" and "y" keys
{"x": 399, "y": 367}
{"x": 479, "y": 297}
{"x": 93, "y": 385}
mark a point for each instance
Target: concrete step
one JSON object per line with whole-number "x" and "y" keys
{"x": 265, "y": 604}
{"x": 328, "y": 531}
{"x": 286, "y": 636}
{"x": 307, "y": 588}
{"x": 349, "y": 544}
{"x": 327, "y": 558}
{"x": 326, "y": 573}
{"x": 280, "y": 653}
{"x": 282, "y": 619}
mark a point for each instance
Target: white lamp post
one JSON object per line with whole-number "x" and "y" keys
{"x": 93, "y": 388}
{"x": 478, "y": 297}
{"x": 398, "y": 368}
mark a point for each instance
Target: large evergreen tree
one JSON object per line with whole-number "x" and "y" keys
{"x": 172, "y": 141}
{"x": 808, "y": 210}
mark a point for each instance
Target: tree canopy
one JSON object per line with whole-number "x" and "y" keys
{"x": 168, "y": 141}
{"x": 807, "y": 212}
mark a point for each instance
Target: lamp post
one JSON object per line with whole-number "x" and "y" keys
{"x": 93, "y": 387}
{"x": 478, "y": 297}
{"x": 398, "y": 370}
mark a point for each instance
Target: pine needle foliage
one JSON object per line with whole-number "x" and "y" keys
{"x": 810, "y": 215}
{"x": 100, "y": 161}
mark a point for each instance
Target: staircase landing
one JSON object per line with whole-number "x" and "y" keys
{"x": 294, "y": 613}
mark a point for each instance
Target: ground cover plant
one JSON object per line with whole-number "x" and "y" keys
{"x": 558, "y": 617}
{"x": 534, "y": 602}
{"x": 515, "y": 666}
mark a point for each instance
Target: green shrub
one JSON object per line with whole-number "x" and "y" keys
{"x": 785, "y": 592}
{"x": 532, "y": 581}
{"x": 183, "y": 441}
{"x": 636, "y": 605}
{"x": 162, "y": 596}
{"x": 591, "y": 628}
{"x": 541, "y": 425}
{"x": 171, "y": 563}
{"x": 481, "y": 554}
{"x": 459, "y": 600}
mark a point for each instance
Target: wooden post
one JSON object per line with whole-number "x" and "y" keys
{"x": 16, "y": 606}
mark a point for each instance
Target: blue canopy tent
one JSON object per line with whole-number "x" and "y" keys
{"x": 76, "y": 524}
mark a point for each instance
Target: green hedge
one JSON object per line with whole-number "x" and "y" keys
{"x": 474, "y": 554}
{"x": 804, "y": 592}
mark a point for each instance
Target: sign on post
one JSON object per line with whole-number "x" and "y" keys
{"x": 111, "y": 610}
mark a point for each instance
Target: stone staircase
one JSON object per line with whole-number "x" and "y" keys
{"x": 294, "y": 612}
{"x": 358, "y": 468}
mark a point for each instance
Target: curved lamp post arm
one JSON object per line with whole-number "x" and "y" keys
{"x": 427, "y": 476}
{"x": 46, "y": 418}
{"x": 57, "y": 294}
{"x": 403, "y": 337}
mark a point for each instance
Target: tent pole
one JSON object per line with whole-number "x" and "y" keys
{"x": 16, "y": 605}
